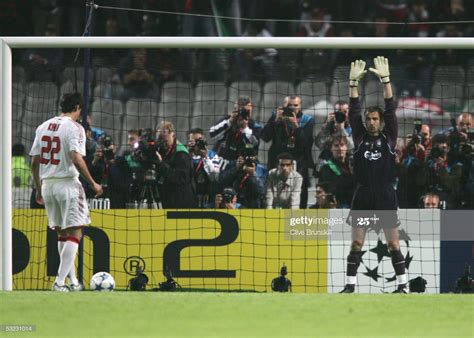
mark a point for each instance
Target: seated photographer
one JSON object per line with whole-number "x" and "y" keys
{"x": 284, "y": 185}
{"x": 338, "y": 171}
{"x": 243, "y": 178}
{"x": 325, "y": 199}
{"x": 336, "y": 124}
{"x": 291, "y": 131}
{"x": 206, "y": 166}
{"x": 226, "y": 200}
{"x": 236, "y": 131}
{"x": 175, "y": 171}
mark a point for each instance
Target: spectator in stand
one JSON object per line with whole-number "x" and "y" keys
{"x": 253, "y": 64}
{"x": 236, "y": 131}
{"x": 139, "y": 75}
{"x": 319, "y": 26}
{"x": 44, "y": 64}
{"x": 418, "y": 13}
{"x": 291, "y": 131}
{"x": 338, "y": 171}
{"x": 430, "y": 200}
{"x": 284, "y": 185}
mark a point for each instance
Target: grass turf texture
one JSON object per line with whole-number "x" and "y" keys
{"x": 136, "y": 314}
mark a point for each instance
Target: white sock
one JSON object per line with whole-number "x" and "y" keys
{"x": 402, "y": 279}
{"x": 68, "y": 255}
{"x": 72, "y": 272}
{"x": 351, "y": 280}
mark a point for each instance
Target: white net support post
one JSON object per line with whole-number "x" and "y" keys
{"x": 6, "y": 43}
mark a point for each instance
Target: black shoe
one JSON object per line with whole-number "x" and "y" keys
{"x": 402, "y": 288}
{"x": 349, "y": 288}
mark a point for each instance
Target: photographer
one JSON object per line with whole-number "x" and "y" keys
{"x": 325, "y": 199}
{"x": 284, "y": 185}
{"x": 420, "y": 142}
{"x": 243, "y": 178}
{"x": 336, "y": 124}
{"x": 442, "y": 177}
{"x": 174, "y": 168}
{"x": 226, "y": 200}
{"x": 205, "y": 172}
{"x": 236, "y": 131}
{"x": 100, "y": 163}
{"x": 112, "y": 172}
{"x": 291, "y": 131}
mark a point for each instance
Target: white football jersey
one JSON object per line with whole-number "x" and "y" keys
{"x": 54, "y": 141}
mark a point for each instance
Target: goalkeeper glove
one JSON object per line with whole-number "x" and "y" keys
{"x": 357, "y": 72}
{"x": 381, "y": 69}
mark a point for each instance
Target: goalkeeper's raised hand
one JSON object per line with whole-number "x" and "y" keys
{"x": 357, "y": 72}
{"x": 381, "y": 69}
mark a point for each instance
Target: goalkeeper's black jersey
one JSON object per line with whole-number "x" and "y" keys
{"x": 374, "y": 156}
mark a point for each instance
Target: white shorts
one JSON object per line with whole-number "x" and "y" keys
{"x": 65, "y": 203}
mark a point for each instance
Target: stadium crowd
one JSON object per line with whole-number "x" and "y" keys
{"x": 158, "y": 167}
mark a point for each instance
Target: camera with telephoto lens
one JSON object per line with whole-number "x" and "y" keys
{"x": 249, "y": 161}
{"x": 228, "y": 195}
{"x": 106, "y": 141}
{"x": 244, "y": 113}
{"x": 147, "y": 146}
{"x": 201, "y": 144}
{"x": 339, "y": 116}
{"x": 288, "y": 112}
{"x": 418, "y": 137}
{"x": 437, "y": 152}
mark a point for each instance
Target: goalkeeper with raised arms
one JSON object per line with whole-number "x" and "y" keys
{"x": 374, "y": 204}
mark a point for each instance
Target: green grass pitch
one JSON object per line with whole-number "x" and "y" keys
{"x": 207, "y": 314}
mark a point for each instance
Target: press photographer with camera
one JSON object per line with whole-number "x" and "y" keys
{"x": 112, "y": 172}
{"x": 336, "y": 124}
{"x": 174, "y": 170}
{"x": 291, "y": 131}
{"x": 419, "y": 142}
{"x": 243, "y": 178}
{"x": 206, "y": 166}
{"x": 227, "y": 199}
{"x": 237, "y": 130}
{"x": 444, "y": 177}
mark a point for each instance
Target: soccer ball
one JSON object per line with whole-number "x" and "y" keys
{"x": 102, "y": 281}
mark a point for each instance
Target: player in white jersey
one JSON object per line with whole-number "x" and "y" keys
{"x": 57, "y": 153}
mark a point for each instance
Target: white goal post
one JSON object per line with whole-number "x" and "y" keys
{"x": 7, "y": 43}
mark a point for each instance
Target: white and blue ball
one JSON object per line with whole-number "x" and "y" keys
{"x": 102, "y": 281}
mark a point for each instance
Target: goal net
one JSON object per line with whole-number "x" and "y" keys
{"x": 129, "y": 90}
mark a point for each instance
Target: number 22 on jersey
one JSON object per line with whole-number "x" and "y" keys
{"x": 48, "y": 152}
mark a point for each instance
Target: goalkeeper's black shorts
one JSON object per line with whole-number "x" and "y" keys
{"x": 374, "y": 208}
